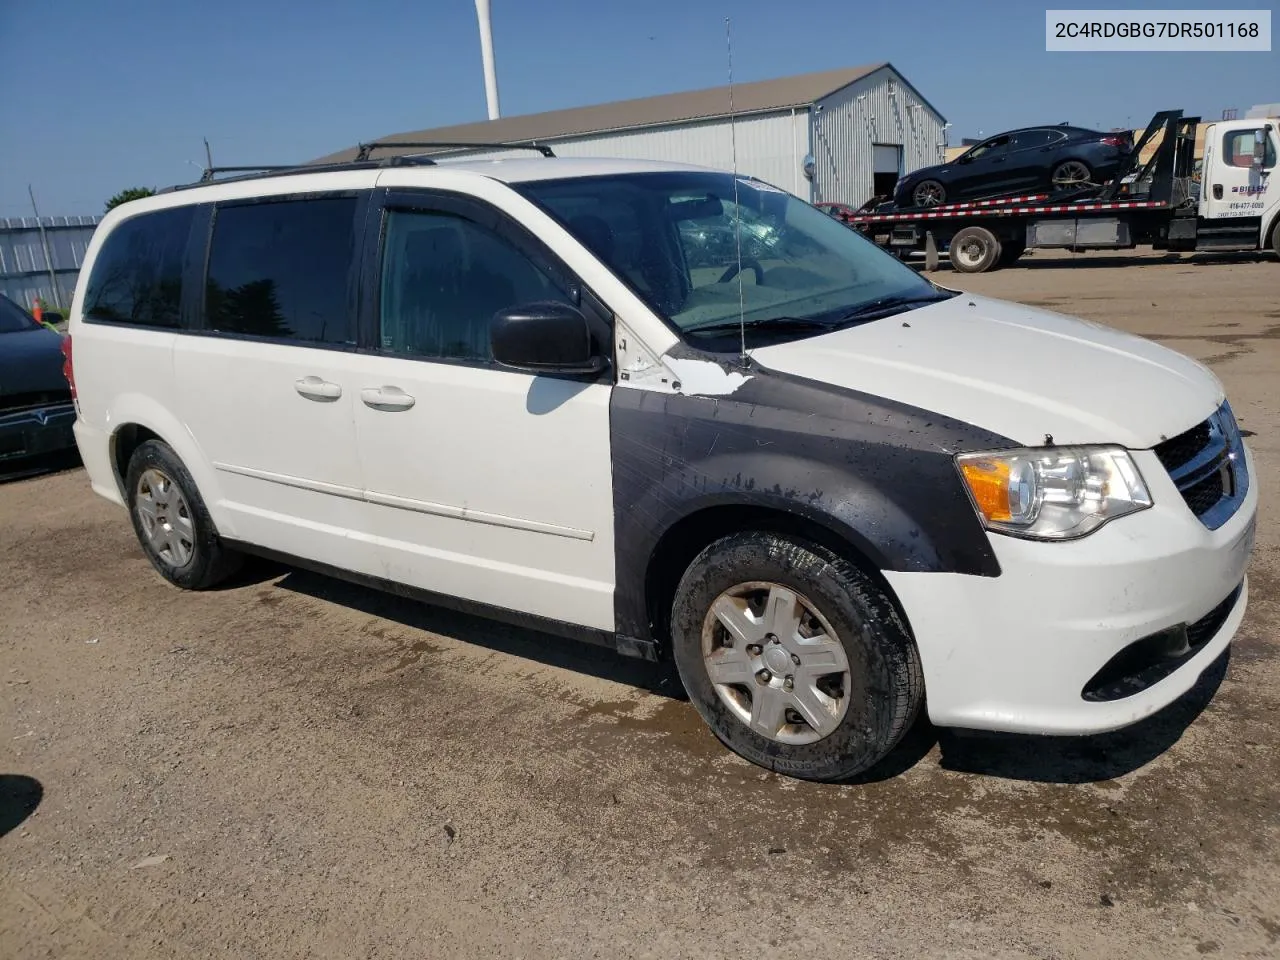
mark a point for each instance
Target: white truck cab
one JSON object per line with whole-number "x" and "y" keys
{"x": 677, "y": 412}
{"x": 1236, "y": 179}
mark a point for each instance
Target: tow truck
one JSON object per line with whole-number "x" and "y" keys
{"x": 1160, "y": 203}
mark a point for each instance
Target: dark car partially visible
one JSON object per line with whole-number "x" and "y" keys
{"x": 1032, "y": 160}
{"x": 36, "y": 409}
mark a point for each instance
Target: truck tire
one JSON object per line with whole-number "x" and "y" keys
{"x": 795, "y": 658}
{"x": 974, "y": 250}
{"x": 172, "y": 524}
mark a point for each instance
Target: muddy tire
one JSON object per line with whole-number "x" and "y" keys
{"x": 794, "y": 657}
{"x": 974, "y": 250}
{"x": 171, "y": 521}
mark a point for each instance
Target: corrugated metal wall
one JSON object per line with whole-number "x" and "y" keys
{"x": 771, "y": 146}
{"x": 24, "y": 273}
{"x": 851, "y": 121}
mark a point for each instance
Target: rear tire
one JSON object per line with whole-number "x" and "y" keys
{"x": 974, "y": 250}
{"x": 171, "y": 521}
{"x": 1070, "y": 174}
{"x": 816, "y": 675}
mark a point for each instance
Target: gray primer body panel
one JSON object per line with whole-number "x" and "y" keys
{"x": 877, "y": 474}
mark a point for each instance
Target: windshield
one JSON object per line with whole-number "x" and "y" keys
{"x": 13, "y": 319}
{"x": 673, "y": 238}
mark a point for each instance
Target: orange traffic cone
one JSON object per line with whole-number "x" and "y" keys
{"x": 37, "y": 311}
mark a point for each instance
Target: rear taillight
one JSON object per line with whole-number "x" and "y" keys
{"x": 68, "y": 368}
{"x": 1116, "y": 141}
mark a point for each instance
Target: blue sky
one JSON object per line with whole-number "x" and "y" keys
{"x": 101, "y": 96}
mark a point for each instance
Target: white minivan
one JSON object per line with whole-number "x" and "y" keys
{"x": 678, "y": 412}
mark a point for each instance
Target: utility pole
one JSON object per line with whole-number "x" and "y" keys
{"x": 208, "y": 154}
{"x": 44, "y": 242}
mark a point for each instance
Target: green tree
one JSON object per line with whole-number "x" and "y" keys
{"x": 124, "y": 196}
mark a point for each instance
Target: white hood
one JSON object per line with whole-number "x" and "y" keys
{"x": 1014, "y": 370}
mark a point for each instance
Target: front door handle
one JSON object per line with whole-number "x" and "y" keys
{"x": 1217, "y": 191}
{"x": 386, "y": 398}
{"x": 314, "y": 388}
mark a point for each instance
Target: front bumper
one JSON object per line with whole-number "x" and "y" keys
{"x": 26, "y": 435}
{"x": 1016, "y": 652}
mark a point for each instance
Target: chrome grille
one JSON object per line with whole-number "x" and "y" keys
{"x": 1207, "y": 465}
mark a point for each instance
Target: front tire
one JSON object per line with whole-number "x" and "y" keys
{"x": 171, "y": 521}
{"x": 796, "y": 659}
{"x": 928, "y": 193}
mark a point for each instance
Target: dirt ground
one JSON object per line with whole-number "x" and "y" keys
{"x": 293, "y": 767}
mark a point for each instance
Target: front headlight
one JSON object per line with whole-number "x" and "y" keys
{"x": 1054, "y": 493}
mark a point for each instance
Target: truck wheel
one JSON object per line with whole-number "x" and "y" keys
{"x": 928, "y": 193}
{"x": 795, "y": 658}
{"x": 172, "y": 524}
{"x": 974, "y": 250}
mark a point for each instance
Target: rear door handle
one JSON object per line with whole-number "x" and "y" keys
{"x": 386, "y": 398}
{"x": 314, "y": 388}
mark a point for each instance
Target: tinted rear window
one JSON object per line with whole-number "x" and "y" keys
{"x": 137, "y": 276}
{"x": 280, "y": 270}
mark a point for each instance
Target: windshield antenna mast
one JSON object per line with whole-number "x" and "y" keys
{"x": 737, "y": 210}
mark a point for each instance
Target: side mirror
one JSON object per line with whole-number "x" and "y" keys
{"x": 1259, "y": 147}
{"x": 544, "y": 337}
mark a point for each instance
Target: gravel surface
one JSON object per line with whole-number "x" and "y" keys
{"x": 293, "y": 767}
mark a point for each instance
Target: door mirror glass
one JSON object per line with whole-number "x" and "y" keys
{"x": 1259, "y": 147}
{"x": 544, "y": 337}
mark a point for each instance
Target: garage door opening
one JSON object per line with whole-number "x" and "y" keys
{"x": 887, "y": 167}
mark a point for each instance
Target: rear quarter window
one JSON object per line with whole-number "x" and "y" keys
{"x": 137, "y": 275}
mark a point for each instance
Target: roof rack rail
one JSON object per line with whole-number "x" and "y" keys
{"x": 366, "y": 148}
{"x": 211, "y": 172}
{"x": 272, "y": 170}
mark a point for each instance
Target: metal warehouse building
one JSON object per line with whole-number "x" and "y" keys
{"x": 862, "y": 126}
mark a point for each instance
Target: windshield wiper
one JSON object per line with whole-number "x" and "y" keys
{"x": 888, "y": 306}
{"x": 764, "y": 323}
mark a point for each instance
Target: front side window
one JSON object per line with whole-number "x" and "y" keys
{"x": 137, "y": 275}
{"x": 992, "y": 148}
{"x": 675, "y": 239}
{"x": 443, "y": 279}
{"x": 1238, "y": 147}
{"x": 280, "y": 270}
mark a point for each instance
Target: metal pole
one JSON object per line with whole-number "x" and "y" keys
{"x": 486, "y": 56}
{"x": 44, "y": 242}
{"x": 208, "y": 155}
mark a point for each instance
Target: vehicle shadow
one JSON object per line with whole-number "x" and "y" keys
{"x": 600, "y": 662}
{"x": 1040, "y": 759}
{"x": 19, "y": 797}
{"x": 1080, "y": 759}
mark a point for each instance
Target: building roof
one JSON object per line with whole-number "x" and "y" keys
{"x": 759, "y": 97}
